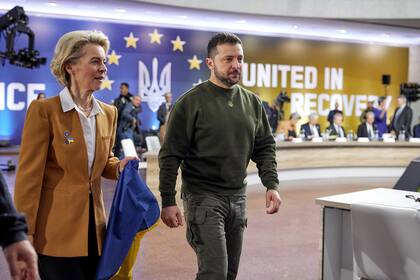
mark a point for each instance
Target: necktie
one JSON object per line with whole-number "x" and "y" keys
{"x": 369, "y": 127}
{"x": 397, "y": 115}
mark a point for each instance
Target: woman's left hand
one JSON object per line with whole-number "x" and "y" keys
{"x": 124, "y": 161}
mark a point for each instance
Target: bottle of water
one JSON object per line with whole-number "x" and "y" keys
{"x": 401, "y": 136}
{"x": 350, "y": 136}
{"x": 327, "y": 135}
{"x": 302, "y": 134}
{"x": 376, "y": 135}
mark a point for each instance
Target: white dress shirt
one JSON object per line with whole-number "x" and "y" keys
{"x": 314, "y": 131}
{"x": 88, "y": 123}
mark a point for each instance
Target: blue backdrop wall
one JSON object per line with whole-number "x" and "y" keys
{"x": 153, "y": 60}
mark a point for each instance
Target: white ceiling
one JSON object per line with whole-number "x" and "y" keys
{"x": 170, "y": 16}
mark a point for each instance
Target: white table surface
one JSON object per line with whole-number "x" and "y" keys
{"x": 382, "y": 196}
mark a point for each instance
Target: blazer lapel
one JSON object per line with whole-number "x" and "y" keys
{"x": 76, "y": 131}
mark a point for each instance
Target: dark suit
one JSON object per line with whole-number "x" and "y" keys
{"x": 331, "y": 114}
{"x": 362, "y": 131}
{"x": 416, "y": 131}
{"x": 334, "y": 132}
{"x": 162, "y": 112}
{"x": 12, "y": 224}
{"x": 307, "y": 129}
{"x": 403, "y": 122}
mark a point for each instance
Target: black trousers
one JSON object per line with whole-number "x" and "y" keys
{"x": 73, "y": 268}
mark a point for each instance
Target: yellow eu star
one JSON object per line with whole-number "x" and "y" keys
{"x": 178, "y": 44}
{"x": 113, "y": 58}
{"x": 107, "y": 84}
{"x": 155, "y": 37}
{"x": 131, "y": 41}
{"x": 194, "y": 63}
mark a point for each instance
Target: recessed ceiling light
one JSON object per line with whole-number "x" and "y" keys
{"x": 386, "y": 35}
{"x": 342, "y": 31}
{"x": 295, "y": 26}
{"x": 51, "y": 4}
{"x": 241, "y": 21}
{"x": 184, "y": 17}
{"x": 120, "y": 10}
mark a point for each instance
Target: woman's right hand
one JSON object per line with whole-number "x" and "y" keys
{"x": 124, "y": 162}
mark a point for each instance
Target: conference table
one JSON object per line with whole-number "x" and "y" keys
{"x": 306, "y": 155}
{"x": 336, "y": 242}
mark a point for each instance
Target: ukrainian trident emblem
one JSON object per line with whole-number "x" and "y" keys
{"x": 152, "y": 90}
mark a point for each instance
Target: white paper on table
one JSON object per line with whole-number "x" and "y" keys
{"x": 317, "y": 140}
{"x": 128, "y": 148}
{"x": 341, "y": 139}
{"x": 389, "y": 140}
{"x": 414, "y": 140}
{"x": 363, "y": 139}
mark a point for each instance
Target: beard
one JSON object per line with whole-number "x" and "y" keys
{"x": 225, "y": 79}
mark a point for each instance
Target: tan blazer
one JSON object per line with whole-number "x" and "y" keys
{"x": 52, "y": 181}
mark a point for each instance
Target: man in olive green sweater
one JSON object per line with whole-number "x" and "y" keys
{"x": 214, "y": 130}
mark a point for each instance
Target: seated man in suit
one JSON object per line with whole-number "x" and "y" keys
{"x": 312, "y": 128}
{"x": 367, "y": 128}
{"x": 332, "y": 113}
{"x": 416, "y": 130}
{"x": 336, "y": 129}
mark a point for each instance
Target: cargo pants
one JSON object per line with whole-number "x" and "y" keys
{"x": 215, "y": 226}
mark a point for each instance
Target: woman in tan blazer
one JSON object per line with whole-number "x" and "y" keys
{"x": 66, "y": 148}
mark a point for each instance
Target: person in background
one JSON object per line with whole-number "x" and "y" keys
{"x": 402, "y": 118}
{"x": 416, "y": 130}
{"x": 368, "y": 127}
{"x": 290, "y": 126}
{"x": 123, "y": 99}
{"x": 336, "y": 129}
{"x": 203, "y": 131}
{"x": 265, "y": 105}
{"x": 380, "y": 116}
{"x": 312, "y": 128}
{"x": 129, "y": 123}
{"x": 40, "y": 96}
{"x": 163, "y": 114}
{"x": 66, "y": 148}
{"x": 332, "y": 113}
{"x": 18, "y": 251}
{"x": 273, "y": 116}
{"x": 369, "y": 108}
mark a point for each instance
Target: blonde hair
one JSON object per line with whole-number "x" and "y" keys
{"x": 69, "y": 49}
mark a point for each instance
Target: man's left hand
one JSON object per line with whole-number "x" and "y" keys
{"x": 272, "y": 201}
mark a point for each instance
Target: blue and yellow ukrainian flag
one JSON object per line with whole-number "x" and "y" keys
{"x": 134, "y": 212}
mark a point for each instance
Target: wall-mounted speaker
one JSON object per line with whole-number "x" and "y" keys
{"x": 386, "y": 79}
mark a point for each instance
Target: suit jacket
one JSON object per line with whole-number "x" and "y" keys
{"x": 53, "y": 183}
{"x": 416, "y": 131}
{"x": 403, "y": 122}
{"x": 307, "y": 129}
{"x": 334, "y": 132}
{"x": 161, "y": 114}
{"x": 362, "y": 130}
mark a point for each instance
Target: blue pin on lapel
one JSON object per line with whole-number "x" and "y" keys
{"x": 68, "y": 139}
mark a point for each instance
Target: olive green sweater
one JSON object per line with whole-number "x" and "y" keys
{"x": 212, "y": 133}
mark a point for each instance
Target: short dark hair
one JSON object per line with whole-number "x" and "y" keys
{"x": 125, "y": 84}
{"x": 219, "y": 39}
{"x": 381, "y": 100}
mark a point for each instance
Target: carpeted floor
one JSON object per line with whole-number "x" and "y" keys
{"x": 281, "y": 246}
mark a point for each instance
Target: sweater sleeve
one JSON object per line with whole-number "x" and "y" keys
{"x": 12, "y": 224}
{"x": 264, "y": 152}
{"x": 172, "y": 153}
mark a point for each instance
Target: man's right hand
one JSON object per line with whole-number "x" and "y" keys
{"x": 172, "y": 217}
{"x": 22, "y": 260}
